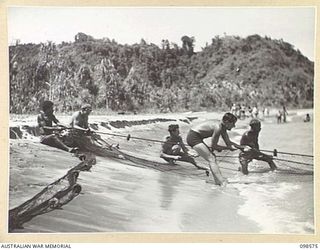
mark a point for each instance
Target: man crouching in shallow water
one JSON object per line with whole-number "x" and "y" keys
{"x": 49, "y": 133}
{"x": 250, "y": 138}
{"x": 173, "y": 148}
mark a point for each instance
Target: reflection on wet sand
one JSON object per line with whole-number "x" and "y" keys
{"x": 168, "y": 185}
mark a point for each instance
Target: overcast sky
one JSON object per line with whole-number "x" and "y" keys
{"x": 129, "y": 25}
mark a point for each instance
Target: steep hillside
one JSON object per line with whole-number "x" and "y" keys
{"x": 144, "y": 77}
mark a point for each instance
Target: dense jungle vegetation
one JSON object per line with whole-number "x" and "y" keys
{"x": 147, "y": 78}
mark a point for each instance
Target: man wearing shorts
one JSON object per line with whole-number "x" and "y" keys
{"x": 250, "y": 138}
{"x": 204, "y": 130}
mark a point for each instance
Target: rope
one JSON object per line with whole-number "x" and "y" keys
{"x": 276, "y": 159}
{"x": 307, "y": 164}
{"x": 128, "y": 137}
{"x": 275, "y": 152}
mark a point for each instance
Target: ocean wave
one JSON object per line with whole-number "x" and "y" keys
{"x": 270, "y": 206}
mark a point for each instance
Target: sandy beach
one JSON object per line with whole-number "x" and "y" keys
{"x": 120, "y": 197}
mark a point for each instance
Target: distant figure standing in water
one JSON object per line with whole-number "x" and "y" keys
{"x": 255, "y": 112}
{"x": 279, "y": 116}
{"x": 307, "y": 119}
{"x": 284, "y": 113}
{"x": 238, "y": 111}
{"x": 197, "y": 134}
{"x": 250, "y": 138}
{"x": 250, "y": 111}
{"x": 265, "y": 112}
{"x": 234, "y": 109}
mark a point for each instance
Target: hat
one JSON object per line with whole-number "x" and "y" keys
{"x": 254, "y": 122}
{"x": 86, "y": 106}
{"x": 173, "y": 127}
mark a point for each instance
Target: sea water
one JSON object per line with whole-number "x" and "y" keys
{"x": 131, "y": 199}
{"x": 276, "y": 202}
{"x": 281, "y": 202}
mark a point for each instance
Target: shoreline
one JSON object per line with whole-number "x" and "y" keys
{"x": 126, "y": 207}
{"x": 138, "y": 212}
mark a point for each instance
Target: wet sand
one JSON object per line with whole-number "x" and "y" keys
{"x": 119, "y": 197}
{"x": 33, "y": 166}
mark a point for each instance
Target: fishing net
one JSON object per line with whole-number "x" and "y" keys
{"x": 287, "y": 163}
{"x": 65, "y": 189}
{"x": 294, "y": 163}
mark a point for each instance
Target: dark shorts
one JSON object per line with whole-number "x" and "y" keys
{"x": 246, "y": 157}
{"x": 193, "y": 138}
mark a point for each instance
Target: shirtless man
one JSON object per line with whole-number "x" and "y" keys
{"x": 173, "y": 148}
{"x": 49, "y": 133}
{"x": 198, "y": 133}
{"x": 79, "y": 119}
{"x": 250, "y": 138}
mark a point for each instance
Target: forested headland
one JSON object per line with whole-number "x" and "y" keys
{"x": 171, "y": 77}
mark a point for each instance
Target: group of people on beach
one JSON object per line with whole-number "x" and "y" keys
{"x": 173, "y": 147}
{"x": 242, "y": 111}
{"x": 282, "y": 115}
{"x": 51, "y": 134}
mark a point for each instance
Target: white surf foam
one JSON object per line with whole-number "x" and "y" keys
{"x": 268, "y": 205}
